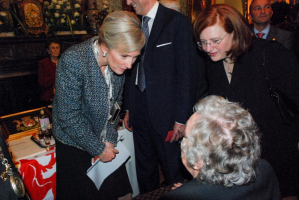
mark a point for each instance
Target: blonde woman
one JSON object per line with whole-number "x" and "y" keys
{"x": 89, "y": 82}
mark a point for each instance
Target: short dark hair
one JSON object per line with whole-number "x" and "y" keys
{"x": 250, "y": 7}
{"x": 232, "y": 21}
{"x": 54, "y": 40}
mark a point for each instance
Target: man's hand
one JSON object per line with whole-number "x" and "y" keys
{"x": 176, "y": 134}
{"x": 126, "y": 121}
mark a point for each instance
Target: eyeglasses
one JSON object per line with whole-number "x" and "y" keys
{"x": 213, "y": 43}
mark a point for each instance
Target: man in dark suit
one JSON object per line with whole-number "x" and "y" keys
{"x": 261, "y": 13}
{"x": 164, "y": 101}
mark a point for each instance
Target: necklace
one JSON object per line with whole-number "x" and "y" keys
{"x": 228, "y": 71}
{"x": 16, "y": 182}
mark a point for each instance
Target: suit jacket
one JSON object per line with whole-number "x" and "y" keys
{"x": 81, "y": 105}
{"x": 286, "y": 38}
{"x": 171, "y": 66}
{"x": 264, "y": 187}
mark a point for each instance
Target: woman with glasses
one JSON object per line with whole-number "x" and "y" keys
{"x": 235, "y": 71}
{"x": 221, "y": 150}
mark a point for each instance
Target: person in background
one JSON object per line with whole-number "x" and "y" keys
{"x": 159, "y": 92}
{"x": 260, "y": 12}
{"x": 235, "y": 71}
{"x": 172, "y": 4}
{"x": 47, "y": 69}
{"x": 221, "y": 149}
{"x": 89, "y": 84}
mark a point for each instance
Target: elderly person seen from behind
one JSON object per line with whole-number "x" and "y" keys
{"x": 222, "y": 150}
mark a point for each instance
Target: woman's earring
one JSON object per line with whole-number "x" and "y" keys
{"x": 104, "y": 54}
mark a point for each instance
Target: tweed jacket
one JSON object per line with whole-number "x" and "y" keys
{"x": 81, "y": 106}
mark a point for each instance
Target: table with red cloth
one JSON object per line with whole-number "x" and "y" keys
{"x": 38, "y": 167}
{"x": 39, "y": 176}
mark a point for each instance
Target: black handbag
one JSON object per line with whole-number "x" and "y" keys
{"x": 287, "y": 108}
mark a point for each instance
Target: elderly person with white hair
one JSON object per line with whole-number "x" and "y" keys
{"x": 221, "y": 150}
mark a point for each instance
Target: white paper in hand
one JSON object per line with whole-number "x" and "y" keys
{"x": 99, "y": 171}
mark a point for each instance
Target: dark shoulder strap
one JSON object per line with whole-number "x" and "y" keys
{"x": 270, "y": 85}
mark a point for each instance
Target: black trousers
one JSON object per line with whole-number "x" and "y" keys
{"x": 73, "y": 183}
{"x": 152, "y": 150}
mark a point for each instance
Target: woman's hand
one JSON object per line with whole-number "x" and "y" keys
{"x": 176, "y": 185}
{"x": 109, "y": 153}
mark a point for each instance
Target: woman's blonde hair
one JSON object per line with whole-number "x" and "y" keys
{"x": 122, "y": 30}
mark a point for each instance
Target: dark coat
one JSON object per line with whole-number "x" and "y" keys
{"x": 264, "y": 187}
{"x": 249, "y": 87}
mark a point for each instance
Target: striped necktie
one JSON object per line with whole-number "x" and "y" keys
{"x": 141, "y": 75}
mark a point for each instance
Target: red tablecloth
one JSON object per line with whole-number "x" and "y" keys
{"x": 39, "y": 176}
{"x": 38, "y": 170}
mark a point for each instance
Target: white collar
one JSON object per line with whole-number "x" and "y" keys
{"x": 153, "y": 12}
{"x": 265, "y": 31}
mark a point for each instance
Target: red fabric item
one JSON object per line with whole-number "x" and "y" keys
{"x": 46, "y": 78}
{"x": 169, "y": 135}
{"x": 39, "y": 176}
